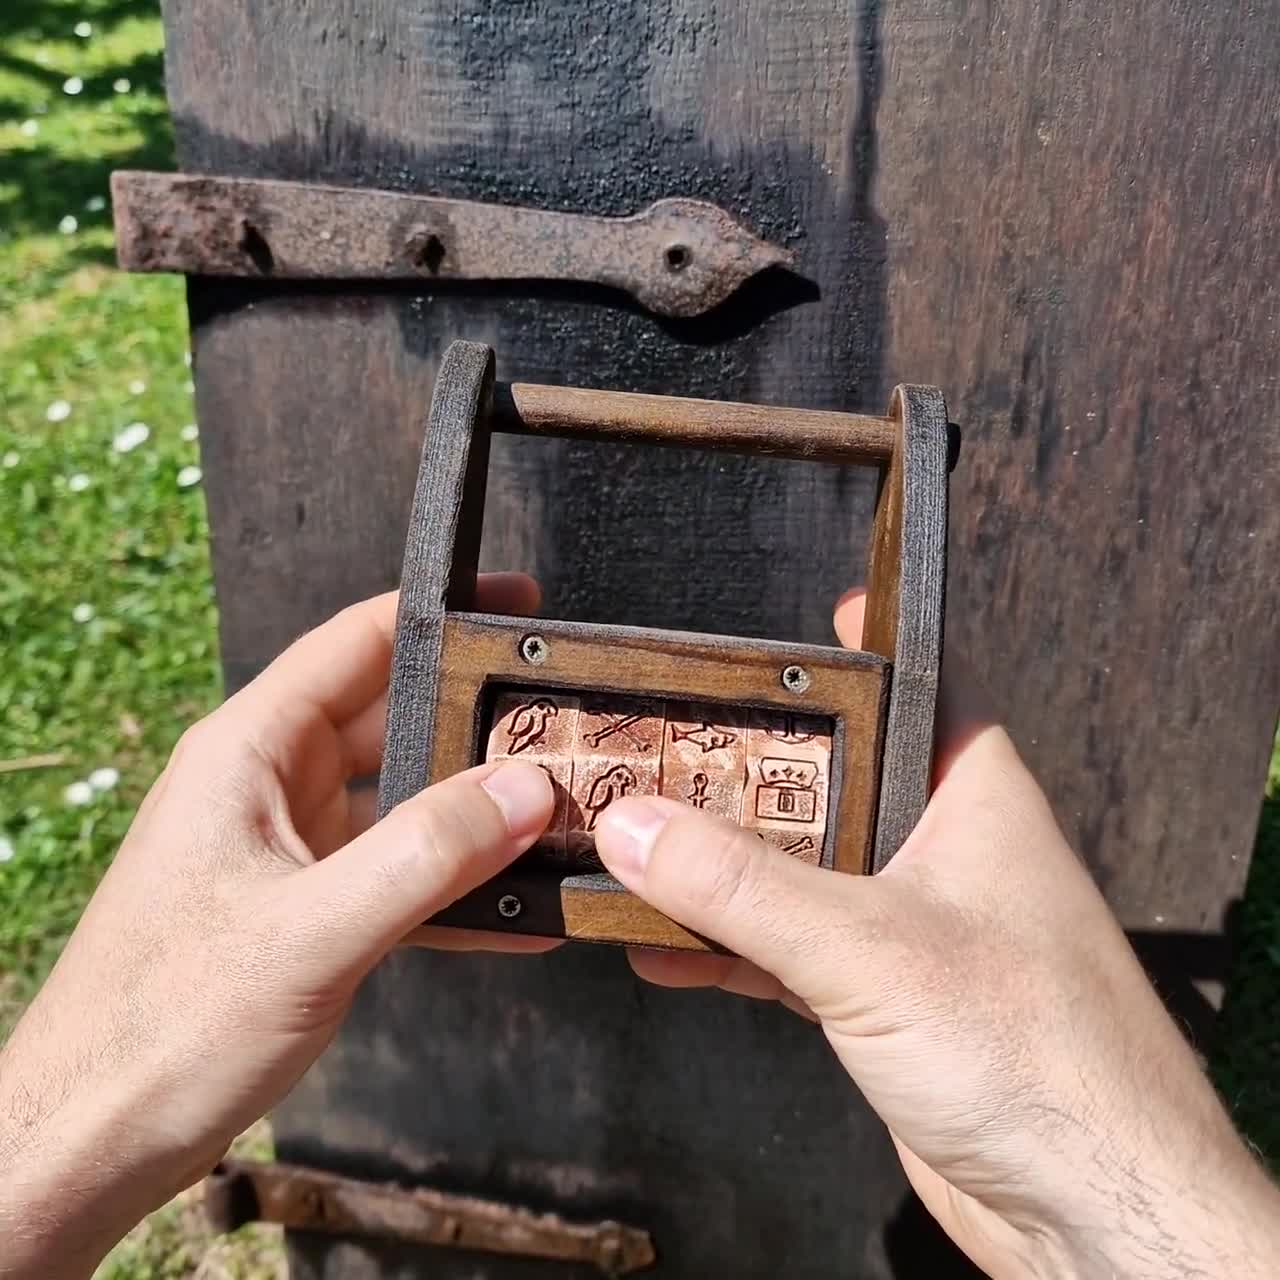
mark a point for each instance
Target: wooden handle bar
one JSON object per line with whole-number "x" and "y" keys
{"x": 814, "y": 435}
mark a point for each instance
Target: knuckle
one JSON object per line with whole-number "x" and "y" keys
{"x": 192, "y": 745}
{"x": 435, "y": 833}
{"x": 419, "y": 836}
{"x": 728, "y": 860}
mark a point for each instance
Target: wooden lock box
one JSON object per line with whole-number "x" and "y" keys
{"x": 824, "y": 752}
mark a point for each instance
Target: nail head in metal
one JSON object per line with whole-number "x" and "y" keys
{"x": 534, "y": 650}
{"x": 509, "y": 906}
{"x": 795, "y": 679}
{"x": 677, "y": 257}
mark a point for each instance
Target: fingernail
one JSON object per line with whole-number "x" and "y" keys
{"x": 523, "y": 793}
{"x": 626, "y": 836}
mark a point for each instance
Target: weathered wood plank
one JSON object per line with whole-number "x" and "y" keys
{"x": 442, "y": 549}
{"x": 1082, "y": 204}
{"x": 1062, "y": 214}
{"x": 907, "y": 582}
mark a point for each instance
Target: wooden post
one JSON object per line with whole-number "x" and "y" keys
{"x": 1061, "y": 214}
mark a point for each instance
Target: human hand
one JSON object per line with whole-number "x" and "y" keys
{"x": 983, "y": 998}
{"x": 224, "y": 945}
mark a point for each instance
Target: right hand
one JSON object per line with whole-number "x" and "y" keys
{"x": 984, "y": 999}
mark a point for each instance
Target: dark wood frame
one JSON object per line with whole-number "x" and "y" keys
{"x": 881, "y": 699}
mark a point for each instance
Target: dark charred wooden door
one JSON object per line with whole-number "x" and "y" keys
{"x": 1063, "y": 214}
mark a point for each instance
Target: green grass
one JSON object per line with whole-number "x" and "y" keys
{"x": 114, "y": 691}
{"x": 123, "y": 538}
{"x": 131, "y": 543}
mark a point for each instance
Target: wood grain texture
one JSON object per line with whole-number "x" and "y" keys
{"x": 1100, "y": 310}
{"x": 905, "y": 603}
{"x": 809, "y": 435}
{"x": 441, "y": 550}
{"x": 1060, "y": 213}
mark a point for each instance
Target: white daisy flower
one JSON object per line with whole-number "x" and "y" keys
{"x": 83, "y": 29}
{"x": 58, "y": 411}
{"x": 72, "y": 85}
{"x": 12, "y": 458}
{"x": 131, "y": 437}
{"x": 69, "y": 226}
{"x": 104, "y": 779}
{"x": 122, "y": 85}
{"x": 79, "y": 482}
{"x": 137, "y": 387}
{"x": 189, "y": 476}
{"x": 6, "y": 849}
{"x": 82, "y": 613}
{"x": 30, "y": 128}
{"x": 78, "y": 793}
{"x": 95, "y": 204}
{"x": 191, "y": 432}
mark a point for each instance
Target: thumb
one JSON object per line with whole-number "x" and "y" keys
{"x": 787, "y": 917}
{"x": 425, "y": 854}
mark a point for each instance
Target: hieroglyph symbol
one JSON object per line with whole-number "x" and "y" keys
{"x": 612, "y": 785}
{"x": 787, "y": 793}
{"x": 698, "y": 796}
{"x": 704, "y": 736}
{"x": 788, "y": 731}
{"x": 801, "y": 844}
{"x": 616, "y": 724}
{"x": 529, "y": 725}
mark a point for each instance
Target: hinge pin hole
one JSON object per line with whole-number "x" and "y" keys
{"x": 677, "y": 257}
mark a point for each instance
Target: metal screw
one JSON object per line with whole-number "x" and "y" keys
{"x": 509, "y": 906}
{"x": 534, "y": 650}
{"x": 795, "y": 679}
{"x": 677, "y": 256}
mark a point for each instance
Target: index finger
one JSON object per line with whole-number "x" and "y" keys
{"x": 344, "y": 664}
{"x": 964, "y": 709}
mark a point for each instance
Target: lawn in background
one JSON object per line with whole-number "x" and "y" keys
{"x": 107, "y": 623}
{"x": 106, "y": 605}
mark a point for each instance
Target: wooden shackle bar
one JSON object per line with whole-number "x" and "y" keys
{"x": 810, "y": 435}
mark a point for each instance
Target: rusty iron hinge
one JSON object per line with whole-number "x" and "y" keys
{"x": 241, "y": 1191}
{"x": 677, "y": 258}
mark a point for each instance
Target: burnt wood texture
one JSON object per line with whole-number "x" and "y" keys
{"x": 1061, "y": 213}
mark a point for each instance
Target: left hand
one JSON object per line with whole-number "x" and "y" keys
{"x": 224, "y": 945}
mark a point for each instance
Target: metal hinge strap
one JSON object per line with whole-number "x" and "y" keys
{"x": 677, "y": 258}
{"x": 240, "y": 1191}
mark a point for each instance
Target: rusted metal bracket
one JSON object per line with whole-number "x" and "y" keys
{"x": 677, "y": 258}
{"x": 241, "y": 1191}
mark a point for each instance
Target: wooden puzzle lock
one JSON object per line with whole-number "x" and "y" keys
{"x": 824, "y": 752}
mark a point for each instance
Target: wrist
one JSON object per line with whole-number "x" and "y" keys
{"x": 74, "y": 1177}
{"x": 1221, "y": 1219}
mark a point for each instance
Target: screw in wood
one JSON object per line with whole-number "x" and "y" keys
{"x": 795, "y": 679}
{"x": 534, "y": 650}
{"x": 509, "y": 906}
